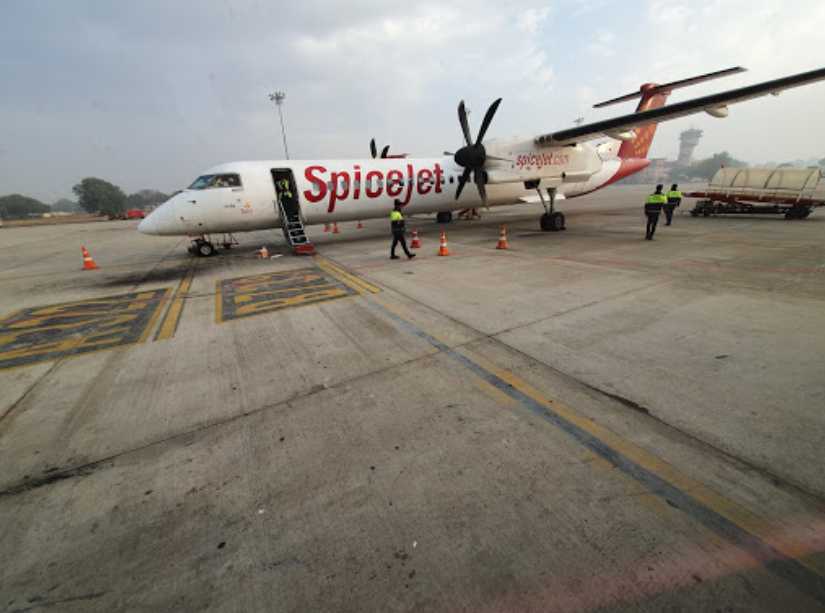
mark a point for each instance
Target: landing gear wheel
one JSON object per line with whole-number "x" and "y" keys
{"x": 552, "y": 222}
{"x": 444, "y": 217}
{"x": 204, "y": 248}
{"x": 797, "y": 213}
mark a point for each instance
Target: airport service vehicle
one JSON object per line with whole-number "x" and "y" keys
{"x": 290, "y": 194}
{"x": 792, "y": 192}
{"x": 135, "y": 214}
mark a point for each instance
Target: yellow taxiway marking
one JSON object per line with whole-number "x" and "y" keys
{"x": 771, "y": 543}
{"x": 52, "y": 332}
{"x": 170, "y": 322}
{"x": 357, "y": 283}
{"x": 264, "y": 293}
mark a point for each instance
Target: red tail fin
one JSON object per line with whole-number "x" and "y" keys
{"x": 639, "y": 146}
{"x": 654, "y": 96}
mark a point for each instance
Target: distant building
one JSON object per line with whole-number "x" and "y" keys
{"x": 688, "y": 140}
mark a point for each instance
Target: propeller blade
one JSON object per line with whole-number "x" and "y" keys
{"x": 498, "y": 159}
{"x": 465, "y": 126}
{"x": 373, "y": 148}
{"x": 488, "y": 117}
{"x": 478, "y": 175}
{"x": 462, "y": 180}
{"x": 449, "y": 153}
{"x": 385, "y": 151}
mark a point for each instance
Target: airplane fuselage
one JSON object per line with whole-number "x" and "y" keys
{"x": 345, "y": 190}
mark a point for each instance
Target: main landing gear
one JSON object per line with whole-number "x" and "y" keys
{"x": 552, "y": 220}
{"x": 444, "y": 217}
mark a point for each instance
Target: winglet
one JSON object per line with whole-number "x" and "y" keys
{"x": 651, "y": 89}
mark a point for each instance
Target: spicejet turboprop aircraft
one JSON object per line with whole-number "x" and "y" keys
{"x": 289, "y": 194}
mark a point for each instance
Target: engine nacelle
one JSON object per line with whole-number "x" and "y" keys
{"x": 718, "y": 111}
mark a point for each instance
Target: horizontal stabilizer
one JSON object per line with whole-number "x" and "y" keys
{"x": 712, "y": 103}
{"x": 669, "y": 87}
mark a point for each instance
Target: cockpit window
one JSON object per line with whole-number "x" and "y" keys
{"x": 212, "y": 181}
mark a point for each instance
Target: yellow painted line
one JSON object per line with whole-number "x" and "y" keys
{"x": 169, "y": 325}
{"x": 734, "y": 512}
{"x": 151, "y": 325}
{"x": 778, "y": 536}
{"x": 494, "y": 393}
{"x": 357, "y": 283}
{"x": 346, "y": 278}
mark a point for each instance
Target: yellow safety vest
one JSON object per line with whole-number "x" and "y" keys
{"x": 674, "y": 195}
{"x": 656, "y": 199}
{"x": 396, "y": 216}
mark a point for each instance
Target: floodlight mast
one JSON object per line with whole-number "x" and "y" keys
{"x": 278, "y": 98}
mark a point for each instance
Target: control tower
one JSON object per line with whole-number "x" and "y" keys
{"x": 687, "y": 143}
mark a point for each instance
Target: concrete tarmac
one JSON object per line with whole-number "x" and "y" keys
{"x": 586, "y": 421}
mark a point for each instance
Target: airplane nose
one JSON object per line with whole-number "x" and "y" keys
{"x": 159, "y": 220}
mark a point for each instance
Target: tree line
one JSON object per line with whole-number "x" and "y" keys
{"x": 94, "y": 196}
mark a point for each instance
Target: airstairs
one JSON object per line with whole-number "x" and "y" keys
{"x": 294, "y": 231}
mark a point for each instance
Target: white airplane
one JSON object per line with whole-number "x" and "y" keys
{"x": 290, "y": 194}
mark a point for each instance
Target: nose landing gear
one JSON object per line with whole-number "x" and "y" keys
{"x": 201, "y": 247}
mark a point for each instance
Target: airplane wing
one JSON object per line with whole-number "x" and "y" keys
{"x": 715, "y": 104}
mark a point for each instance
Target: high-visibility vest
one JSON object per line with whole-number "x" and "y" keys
{"x": 656, "y": 199}
{"x": 396, "y": 221}
{"x": 674, "y": 195}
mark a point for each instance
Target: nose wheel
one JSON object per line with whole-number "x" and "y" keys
{"x": 201, "y": 247}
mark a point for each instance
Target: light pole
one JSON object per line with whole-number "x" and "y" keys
{"x": 278, "y": 99}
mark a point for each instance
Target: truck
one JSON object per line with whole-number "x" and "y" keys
{"x": 792, "y": 192}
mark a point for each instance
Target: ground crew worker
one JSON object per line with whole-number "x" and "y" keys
{"x": 653, "y": 206}
{"x": 674, "y": 199}
{"x": 397, "y": 225}
{"x": 283, "y": 188}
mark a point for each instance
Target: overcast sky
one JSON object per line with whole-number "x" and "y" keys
{"x": 149, "y": 93}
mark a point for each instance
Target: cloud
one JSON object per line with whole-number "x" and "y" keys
{"x": 149, "y": 93}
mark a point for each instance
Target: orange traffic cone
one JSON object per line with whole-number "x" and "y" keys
{"x": 360, "y": 226}
{"x": 263, "y": 253}
{"x": 415, "y": 243}
{"x": 502, "y": 238}
{"x": 335, "y": 228}
{"x": 326, "y": 227}
{"x": 88, "y": 262}
{"x": 442, "y": 248}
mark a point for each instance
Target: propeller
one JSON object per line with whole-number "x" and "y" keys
{"x": 473, "y": 155}
{"x": 374, "y": 150}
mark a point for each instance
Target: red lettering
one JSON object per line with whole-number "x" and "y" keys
{"x": 357, "y": 189}
{"x": 439, "y": 174}
{"x": 394, "y": 186}
{"x": 340, "y": 188}
{"x": 374, "y": 178}
{"x": 410, "y": 180}
{"x": 425, "y": 177}
{"x": 317, "y": 182}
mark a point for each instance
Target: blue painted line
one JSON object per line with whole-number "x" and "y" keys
{"x": 789, "y": 569}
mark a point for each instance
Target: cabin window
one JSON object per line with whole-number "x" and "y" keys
{"x": 216, "y": 181}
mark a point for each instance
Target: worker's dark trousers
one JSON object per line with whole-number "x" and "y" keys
{"x": 652, "y": 220}
{"x": 398, "y": 237}
{"x": 668, "y": 213}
